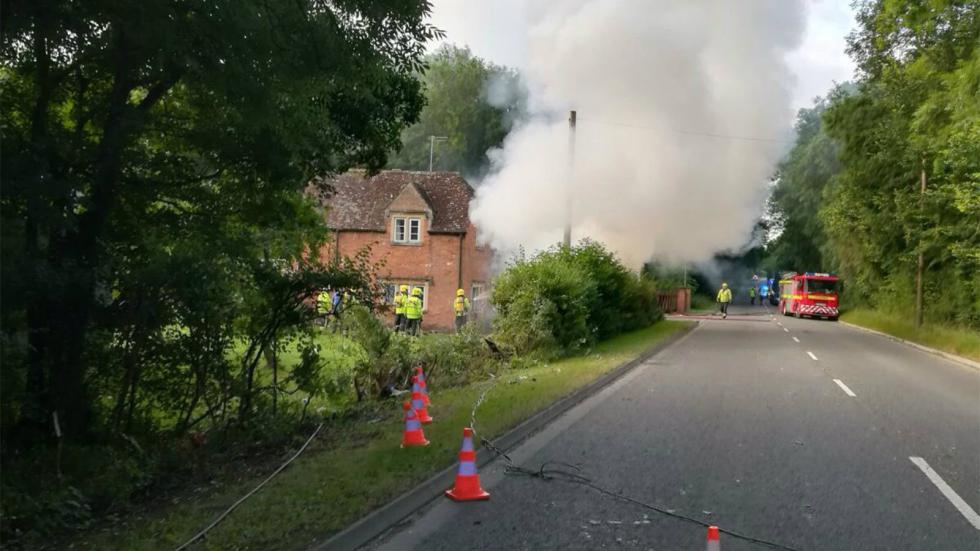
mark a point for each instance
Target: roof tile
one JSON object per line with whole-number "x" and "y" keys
{"x": 358, "y": 202}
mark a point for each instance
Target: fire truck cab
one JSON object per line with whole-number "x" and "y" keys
{"x": 813, "y": 295}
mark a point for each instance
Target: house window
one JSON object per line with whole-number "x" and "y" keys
{"x": 406, "y": 230}
{"x": 477, "y": 290}
{"x": 391, "y": 288}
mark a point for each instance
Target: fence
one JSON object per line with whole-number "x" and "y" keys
{"x": 674, "y": 301}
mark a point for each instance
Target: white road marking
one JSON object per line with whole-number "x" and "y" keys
{"x": 971, "y": 516}
{"x": 796, "y": 339}
{"x": 784, "y": 329}
{"x": 811, "y": 354}
{"x": 846, "y": 390}
{"x": 779, "y": 323}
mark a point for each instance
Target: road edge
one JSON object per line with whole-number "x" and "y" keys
{"x": 369, "y": 527}
{"x": 951, "y": 357}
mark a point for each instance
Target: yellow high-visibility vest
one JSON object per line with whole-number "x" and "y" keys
{"x": 413, "y": 308}
{"x": 461, "y": 306}
{"x": 725, "y": 295}
{"x": 400, "y": 303}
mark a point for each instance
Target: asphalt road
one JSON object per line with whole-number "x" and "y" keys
{"x": 744, "y": 425}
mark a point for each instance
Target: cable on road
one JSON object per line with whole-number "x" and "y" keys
{"x": 571, "y": 473}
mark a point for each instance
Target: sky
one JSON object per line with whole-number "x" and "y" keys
{"x": 498, "y": 30}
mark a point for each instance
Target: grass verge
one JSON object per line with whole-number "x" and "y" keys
{"x": 358, "y": 466}
{"x": 955, "y": 340}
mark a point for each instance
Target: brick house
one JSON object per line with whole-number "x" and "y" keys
{"x": 418, "y": 223}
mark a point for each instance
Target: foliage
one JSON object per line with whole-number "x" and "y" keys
{"x": 153, "y": 206}
{"x": 565, "y": 299}
{"x": 861, "y": 155}
{"x": 472, "y": 102}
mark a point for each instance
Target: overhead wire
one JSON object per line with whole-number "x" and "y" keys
{"x": 687, "y": 132}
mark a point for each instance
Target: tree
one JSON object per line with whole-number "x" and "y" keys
{"x": 471, "y": 102}
{"x": 157, "y": 154}
{"x": 798, "y": 195}
{"x": 895, "y": 165}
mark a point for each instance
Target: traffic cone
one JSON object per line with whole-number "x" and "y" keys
{"x": 413, "y": 429}
{"x": 467, "y": 487}
{"x": 418, "y": 403}
{"x": 422, "y": 385}
{"x": 714, "y": 543}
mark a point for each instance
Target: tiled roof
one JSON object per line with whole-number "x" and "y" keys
{"x": 357, "y": 202}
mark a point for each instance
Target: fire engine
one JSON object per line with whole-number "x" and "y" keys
{"x": 810, "y": 294}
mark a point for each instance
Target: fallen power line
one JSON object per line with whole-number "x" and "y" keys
{"x": 234, "y": 505}
{"x": 572, "y": 473}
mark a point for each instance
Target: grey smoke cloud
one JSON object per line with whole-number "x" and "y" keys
{"x": 667, "y": 94}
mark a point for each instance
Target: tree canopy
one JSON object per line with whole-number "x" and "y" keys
{"x": 850, "y": 193}
{"x": 153, "y": 208}
{"x": 471, "y": 102}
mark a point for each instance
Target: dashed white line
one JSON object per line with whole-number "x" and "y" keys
{"x": 796, "y": 339}
{"x": 811, "y": 354}
{"x": 844, "y": 387}
{"x": 784, "y": 329}
{"x": 971, "y": 516}
{"x": 779, "y": 323}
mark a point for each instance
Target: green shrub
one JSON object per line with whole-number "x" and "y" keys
{"x": 566, "y": 299}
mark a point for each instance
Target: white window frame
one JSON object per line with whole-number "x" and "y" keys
{"x": 406, "y": 234}
{"x": 477, "y": 286}
{"x": 397, "y": 283}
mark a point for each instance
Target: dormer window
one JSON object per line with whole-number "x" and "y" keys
{"x": 406, "y": 229}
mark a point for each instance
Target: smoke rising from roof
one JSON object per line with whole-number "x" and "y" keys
{"x": 684, "y": 109}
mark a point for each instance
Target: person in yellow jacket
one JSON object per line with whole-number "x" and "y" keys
{"x": 461, "y": 307}
{"x": 324, "y": 305}
{"x": 724, "y": 298}
{"x": 400, "y": 297}
{"x": 413, "y": 312}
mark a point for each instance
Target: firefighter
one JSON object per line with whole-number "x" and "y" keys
{"x": 461, "y": 306}
{"x": 399, "y": 301}
{"x": 724, "y": 297}
{"x": 323, "y": 306}
{"x": 413, "y": 312}
{"x": 752, "y": 296}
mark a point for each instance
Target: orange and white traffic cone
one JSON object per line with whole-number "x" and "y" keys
{"x": 467, "y": 487}
{"x": 714, "y": 543}
{"x": 422, "y": 385}
{"x": 413, "y": 429}
{"x": 418, "y": 403}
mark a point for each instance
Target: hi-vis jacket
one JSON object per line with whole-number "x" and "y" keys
{"x": 725, "y": 295}
{"x": 461, "y": 306}
{"x": 413, "y": 307}
{"x": 400, "y": 300}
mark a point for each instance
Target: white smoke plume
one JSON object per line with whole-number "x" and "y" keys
{"x": 684, "y": 108}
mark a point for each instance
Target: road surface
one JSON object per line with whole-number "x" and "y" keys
{"x": 801, "y": 432}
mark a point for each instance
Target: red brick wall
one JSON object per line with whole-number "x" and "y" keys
{"x": 435, "y": 261}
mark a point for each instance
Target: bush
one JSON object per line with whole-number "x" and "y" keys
{"x": 566, "y": 299}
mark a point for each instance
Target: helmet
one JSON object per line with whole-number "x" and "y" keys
{"x": 417, "y": 292}
{"x": 402, "y": 288}
{"x": 460, "y": 293}
{"x": 724, "y": 285}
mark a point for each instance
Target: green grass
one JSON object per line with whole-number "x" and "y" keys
{"x": 357, "y": 467}
{"x": 955, "y": 340}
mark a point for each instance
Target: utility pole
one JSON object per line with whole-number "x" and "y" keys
{"x": 570, "y": 187}
{"x": 921, "y": 264}
{"x": 432, "y": 147}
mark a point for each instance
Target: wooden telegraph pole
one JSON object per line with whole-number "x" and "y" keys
{"x": 921, "y": 264}
{"x": 570, "y": 187}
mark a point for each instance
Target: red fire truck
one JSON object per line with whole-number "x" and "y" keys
{"x": 811, "y": 294}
